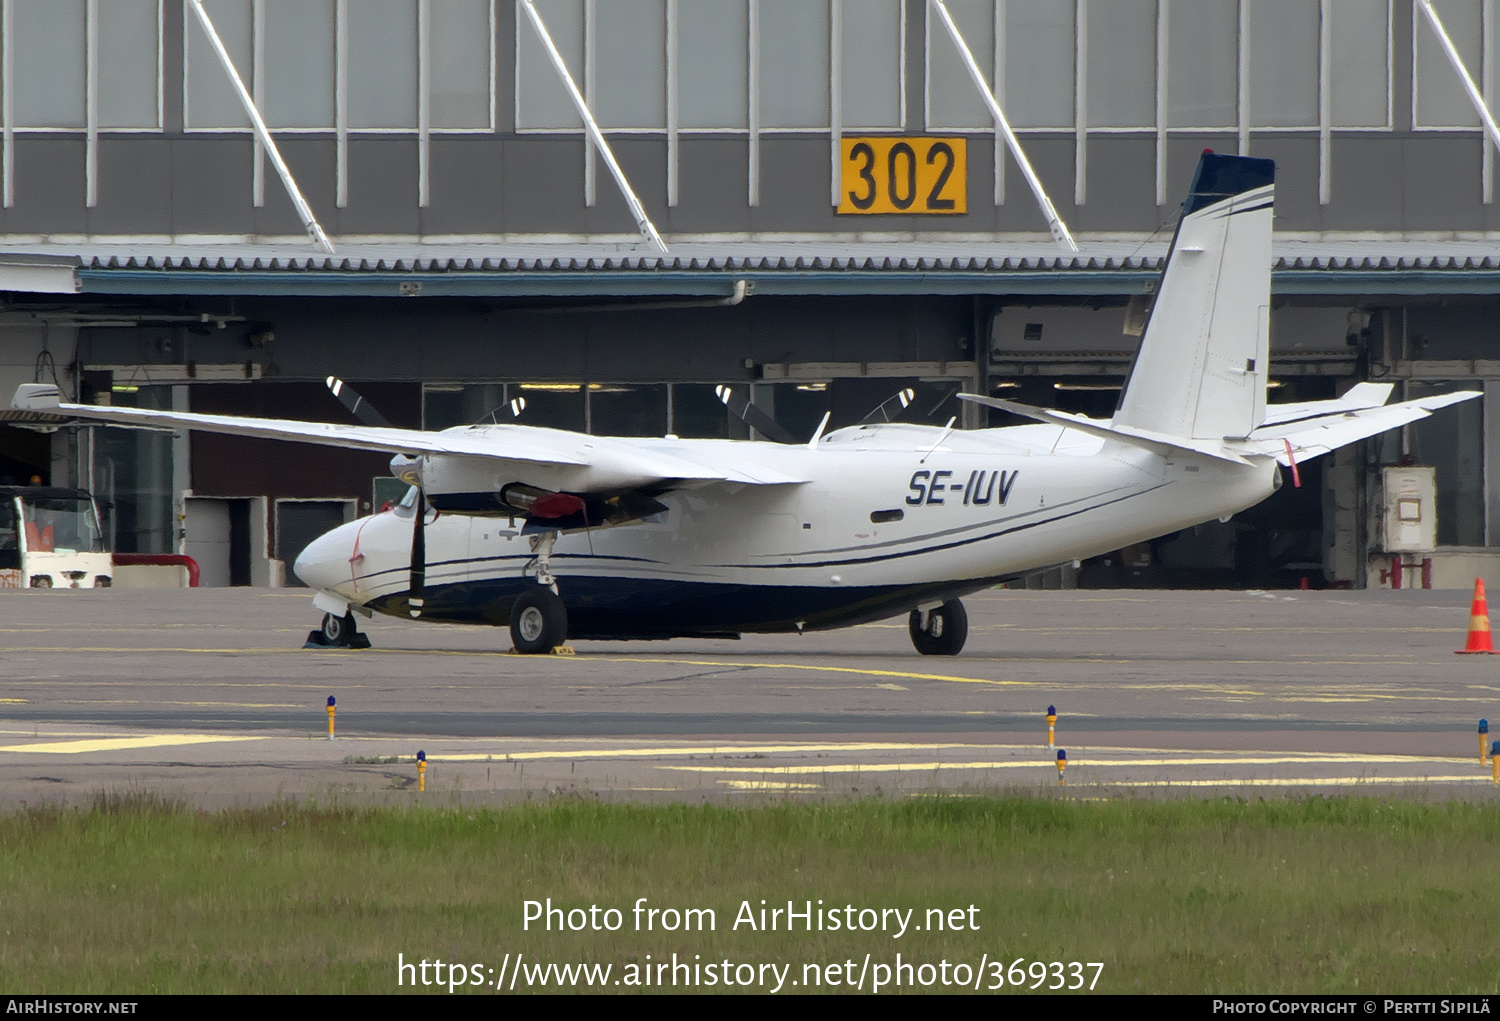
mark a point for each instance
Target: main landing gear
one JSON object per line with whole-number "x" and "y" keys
{"x": 538, "y": 619}
{"x": 941, "y": 630}
{"x": 338, "y": 633}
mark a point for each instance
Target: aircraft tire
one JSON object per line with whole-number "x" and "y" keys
{"x": 336, "y": 630}
{"x": 538, "y": 621}
{"x": 947, "y": 629}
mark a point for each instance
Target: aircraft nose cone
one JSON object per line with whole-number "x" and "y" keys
{"x": 324, "y": 563}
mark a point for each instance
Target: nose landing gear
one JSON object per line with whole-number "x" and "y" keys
{"x": 337, "y": 633}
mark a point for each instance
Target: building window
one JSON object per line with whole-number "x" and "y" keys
{"x": 617, "y": 53}
{"x": 1438, "y": 96}
{"x": 1122, "y": 64}
{"x": 873, "y": 41}
{"x": 50, "y": 72}
{"x": 1360, "y": 55}
{"x": 713, "y": 65}
{"x": 383, "y": 65}
{"x": 49, "y": 63}
{"x": 1202, "y": 64}
{"x": 794, "y": 64}
{"x": 129, "y": 69}
{"x": 542, "y": 104}
{"x": 1038, "y": 40}
{"x": 209, "y": 101}
{"x": 286, "y": 53}
{"x": 461, "y": 45}
{"x": 1284, "y": 44}
{"x": 298, "y": 43}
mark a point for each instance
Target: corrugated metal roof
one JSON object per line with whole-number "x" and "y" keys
{"x": 785, "y": 266}
{"x": 771, "y": 257}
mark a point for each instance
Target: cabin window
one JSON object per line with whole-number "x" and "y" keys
{"x": 882, "y": 517}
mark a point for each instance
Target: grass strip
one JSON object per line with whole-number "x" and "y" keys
{"x": 136, "y": 895}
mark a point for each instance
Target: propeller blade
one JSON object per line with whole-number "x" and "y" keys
{"x": 363, "y": 409}
{"x": 755, "y": 418}
{"x": 418, "y": 556}
{"x": 891, "y": 407}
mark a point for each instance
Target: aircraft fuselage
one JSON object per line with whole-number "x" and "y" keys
{"x": 887, "y": 524}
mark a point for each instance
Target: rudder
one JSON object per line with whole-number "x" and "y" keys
{"x": 1201, "y": 369}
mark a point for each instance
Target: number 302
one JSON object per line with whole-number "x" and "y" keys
{"x": 904, "y": 175}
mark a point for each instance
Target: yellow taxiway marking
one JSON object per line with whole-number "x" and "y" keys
{"x": 921, "y": 767}
{"x": 14, "y": 701}
{"x": 619, "y": 753}
{"x": 1311, "y": 781}
{"x": 768, "y": 785}
{"x": 863, "y": 671}
{"x": 200, "y": 705}
{"x": 111, "y": 744}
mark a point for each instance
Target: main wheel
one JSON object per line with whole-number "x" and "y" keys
{"x": 336, "y": 630}
{"x": 538, "y": 621}
{"x": 947, "y": 629}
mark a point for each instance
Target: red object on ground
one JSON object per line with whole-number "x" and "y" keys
{"x": 1479, "y": 623}
{"x": 160, "y": 560}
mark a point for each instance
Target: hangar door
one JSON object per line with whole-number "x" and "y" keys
{"x": 299, "y": 522}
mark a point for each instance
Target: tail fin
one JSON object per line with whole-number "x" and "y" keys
{"x": 1201, "y": 369}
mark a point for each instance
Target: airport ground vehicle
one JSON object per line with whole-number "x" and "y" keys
{"x": 50, "y": 538}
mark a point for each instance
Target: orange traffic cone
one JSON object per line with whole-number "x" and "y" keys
{"x": 1479, "y": 623}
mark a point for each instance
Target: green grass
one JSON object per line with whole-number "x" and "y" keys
{"x": 1356, "y": 896}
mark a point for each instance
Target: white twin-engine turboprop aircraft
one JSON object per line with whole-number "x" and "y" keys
{"x": 563, "y": 535}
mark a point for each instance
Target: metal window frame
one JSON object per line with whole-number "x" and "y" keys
{"x": 341, "y": 103}
{"x": 752, "y": 115}
{"x": 1163, "y": 55}
{"x": 424, "y": 102}
{"x": 1080, "y": 102}
{"x": 1325, "y": 99}
{"x": 835, "y": 98}
{"x": 590, "y": 84}
{"x": 673, "y": 127}
{"x": 997, "y": 82}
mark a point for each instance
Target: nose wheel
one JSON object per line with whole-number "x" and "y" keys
{"x": 940, "y": 631}
{"x": 337, "y": 633}
{"x": 538, "y": 621}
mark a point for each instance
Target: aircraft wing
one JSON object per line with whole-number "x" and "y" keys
{"x": 600, "y": 462}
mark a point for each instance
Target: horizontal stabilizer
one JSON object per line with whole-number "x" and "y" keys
{"x": 1359, "y": 396}
{"x": 1316, "y": 436}
{"x": 1155, "y": 442}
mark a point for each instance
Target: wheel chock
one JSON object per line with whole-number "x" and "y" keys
{"x": 562, "y": 650}
{"x": 317, "y": 640}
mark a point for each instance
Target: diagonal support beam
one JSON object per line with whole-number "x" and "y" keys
{"x": 1055, "y": 224}
{"x": 642, "y": 221}
{"x": 1466, "y": 79}
{"x": 304, "y": 211}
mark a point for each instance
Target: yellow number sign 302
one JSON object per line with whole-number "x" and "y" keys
{"x": 904, "y": 175}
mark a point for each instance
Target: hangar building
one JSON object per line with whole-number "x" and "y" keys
{"x": 840, "y": 215}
